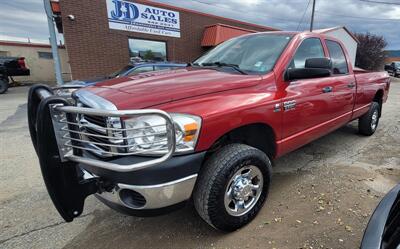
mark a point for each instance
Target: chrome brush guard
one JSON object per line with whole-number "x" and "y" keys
{"x": 72, "y": 140}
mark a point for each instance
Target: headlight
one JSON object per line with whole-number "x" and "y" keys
{"x": 148, "y": 134}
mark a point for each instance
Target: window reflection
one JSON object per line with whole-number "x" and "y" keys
{"x": 147, "y": 50}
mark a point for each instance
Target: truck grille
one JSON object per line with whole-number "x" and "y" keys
{"x": 99, "y": 134}
{"x": 95, "y": 139}
{"x": 99, "y": 130}
{"x": 107, "y": 138}
{"x": 97, "y": 120}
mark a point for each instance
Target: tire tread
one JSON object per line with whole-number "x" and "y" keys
{"x": 209, "y": 178}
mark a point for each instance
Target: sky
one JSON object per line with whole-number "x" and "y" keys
{"x": 20, "y": 19}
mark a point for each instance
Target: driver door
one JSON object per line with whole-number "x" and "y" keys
{"x": 306, "y": 105}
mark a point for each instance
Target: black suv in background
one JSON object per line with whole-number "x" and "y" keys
{"x": 393, "y": 68}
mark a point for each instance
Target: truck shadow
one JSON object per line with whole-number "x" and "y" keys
{"x": 184, "y": 228}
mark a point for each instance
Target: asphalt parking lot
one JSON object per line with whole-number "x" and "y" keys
{"x": 322, "y": 195}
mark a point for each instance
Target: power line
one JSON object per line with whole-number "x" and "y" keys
{"x": 357, "y": 17}
{"x": 304, "y": 14}
{"x": 372, "y": 1}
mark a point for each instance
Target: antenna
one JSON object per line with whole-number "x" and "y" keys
{"x": 312, "y": 16}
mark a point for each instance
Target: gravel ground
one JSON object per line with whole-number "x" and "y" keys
{"x": 322, "y": 195}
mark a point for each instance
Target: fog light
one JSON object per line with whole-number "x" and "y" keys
{"x": 132, "y": 198}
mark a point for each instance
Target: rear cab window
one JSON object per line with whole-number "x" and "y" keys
{"x": 142, "y": 69}
{"x": 336, "y": 53}
{"x": 165, "y": 67}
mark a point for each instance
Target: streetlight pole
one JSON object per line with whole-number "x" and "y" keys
{"x": 312, "y": 16}
{"x": 53, "y": 42}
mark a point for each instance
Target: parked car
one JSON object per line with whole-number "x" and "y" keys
{"x": 393, "y": 68}
{"x": 9, "y": 67}
{"x": 128, "y": 70}
{"x": 383, "y": 230}
{"x": 146, "y": 144}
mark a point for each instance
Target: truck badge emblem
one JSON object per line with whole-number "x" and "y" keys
{"x": 289, "y": 105}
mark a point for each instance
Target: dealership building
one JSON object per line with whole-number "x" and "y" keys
{"x": 102, "y": 36}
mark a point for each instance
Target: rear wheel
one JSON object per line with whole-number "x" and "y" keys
{"x": 368, "y": 123}
{"x": 232, "y": 186}
{"x": 3, "y": 85}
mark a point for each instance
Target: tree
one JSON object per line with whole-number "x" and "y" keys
{"x": 148, "y": 55}
{"x": 370, "y": 51}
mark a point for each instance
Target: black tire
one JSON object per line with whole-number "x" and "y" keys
{"x": 366, "y": 122}
{"x": 213, "y": 181}
{"x": 3, "y": 85}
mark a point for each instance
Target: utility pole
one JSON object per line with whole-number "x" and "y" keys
{"x": 312, "y": 16}
{"x": 53, "y": 41}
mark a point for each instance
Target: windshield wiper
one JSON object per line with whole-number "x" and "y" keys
{"x": 223, "y": 64}
{"x": 190, "y": 64}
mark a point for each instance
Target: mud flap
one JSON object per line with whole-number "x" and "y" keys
{"x": 63, "y": 180}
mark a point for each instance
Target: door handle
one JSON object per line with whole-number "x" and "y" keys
{"x": 351, "y": 85}
{"x": 327, "y": 89}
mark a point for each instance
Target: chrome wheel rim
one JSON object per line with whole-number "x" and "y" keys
{"x": 374, "y": 120}
{"x": 243, "y": 190}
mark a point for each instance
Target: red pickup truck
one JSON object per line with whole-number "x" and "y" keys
{"x": 146, "y": 144}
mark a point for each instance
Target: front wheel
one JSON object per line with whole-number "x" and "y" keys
{"x": 232, "y": 186}
{"x": 368, "y": 123}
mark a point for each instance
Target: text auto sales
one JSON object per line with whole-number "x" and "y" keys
{"x": 159, "y": 15}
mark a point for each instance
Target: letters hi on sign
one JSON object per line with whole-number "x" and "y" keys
{"x": 128, "y": 16}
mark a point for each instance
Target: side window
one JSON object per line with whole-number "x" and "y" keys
{"x": 338, "y": 58}
{"x": 141, "y": 70}
{"x": 309, "y": 48}
{"x": 161, "y": 68}
{"x": 166, "y": 67}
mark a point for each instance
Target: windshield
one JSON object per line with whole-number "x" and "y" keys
{"x": 397, "y": 64}
{"x": 121, "y": 72}
{"x": 254, "y": 54}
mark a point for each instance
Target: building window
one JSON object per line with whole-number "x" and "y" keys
{"x": 45, "y": 55}
{"x": 4, "y": 53}
{"x": 146, "y": 50}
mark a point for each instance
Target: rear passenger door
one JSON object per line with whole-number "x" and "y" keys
{"x": 343, "y": 83}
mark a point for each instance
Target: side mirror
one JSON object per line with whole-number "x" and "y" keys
{"x": 314, "y": 68}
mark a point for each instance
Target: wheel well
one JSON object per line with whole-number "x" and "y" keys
{"x": 260, "y": 136}
{"x": 379, "y": 98}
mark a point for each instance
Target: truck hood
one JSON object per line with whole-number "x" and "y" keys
{"x": 150, "y": 89}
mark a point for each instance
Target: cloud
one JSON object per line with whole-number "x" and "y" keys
{"x": 286, "y": 14}
{"x": 26, "y": 18}
{"x": 22, "y": 39}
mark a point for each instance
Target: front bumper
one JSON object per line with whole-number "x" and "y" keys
{"x": 126, "y": 182}
{"x": 149, "y": 197}
{"x": 151, "y": 189}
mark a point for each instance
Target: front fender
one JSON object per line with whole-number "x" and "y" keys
{"x": 225, "y": 111}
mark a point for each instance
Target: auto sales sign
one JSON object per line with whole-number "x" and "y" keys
{"x": 128, "y": 16}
